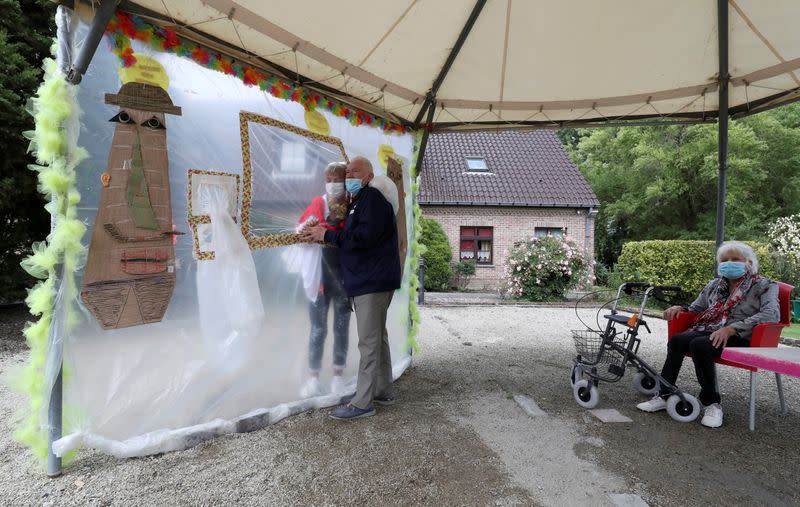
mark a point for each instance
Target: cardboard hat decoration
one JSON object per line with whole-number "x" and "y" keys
{"x": 143, "y": 96}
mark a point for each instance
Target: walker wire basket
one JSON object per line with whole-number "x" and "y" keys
{"x": 598, "y": 358}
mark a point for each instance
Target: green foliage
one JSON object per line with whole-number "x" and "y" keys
{"x": 437, "y": 255}
{"x": 26, "y": 31}
{"x": 661, "y": 182}
{"x": 543, "y": 269}
{"x": 787, "y": 269}
{"x": 463, "y": 272}
{"x": 602, "y": 274}
{"x": 689, "y": 264}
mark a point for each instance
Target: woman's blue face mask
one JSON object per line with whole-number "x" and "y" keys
{"x": 732, "y": 269}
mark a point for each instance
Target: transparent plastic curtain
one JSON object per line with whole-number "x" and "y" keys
{"x": 233, "y": 345}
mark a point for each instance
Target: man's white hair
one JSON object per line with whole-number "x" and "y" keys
{"x": 363, "y": 160}
{"x": 336, "y": 167}
{"x": 742, "y": 249}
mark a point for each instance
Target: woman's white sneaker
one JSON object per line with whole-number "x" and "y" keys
{"x": 337, "y": 385}
{"x": 311, "y": 389}
{"x": 654, "y": 404}
{"x": 712, "y": 417}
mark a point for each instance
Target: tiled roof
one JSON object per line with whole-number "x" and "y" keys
{"x": 529, "y": 168}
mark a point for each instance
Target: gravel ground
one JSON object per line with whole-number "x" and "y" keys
{"x": 456, "y": 437}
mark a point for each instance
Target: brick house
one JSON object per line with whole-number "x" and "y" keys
{"x": 491, "y": 189}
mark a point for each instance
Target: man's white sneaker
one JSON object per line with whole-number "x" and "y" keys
{"x": 311, "y": 389}
{"x": 337, "y": 384}
{"x": 712, "y": 417}
{"x": 654, "y": 404}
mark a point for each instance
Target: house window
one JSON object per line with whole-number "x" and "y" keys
{"x": 293, "y": 158}
{"x": 543, "y": 232}
{"x": 476, "y": 244}
{"x": 477, "y": 165}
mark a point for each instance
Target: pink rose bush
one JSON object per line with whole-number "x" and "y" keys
{"x": 542, "y": 269}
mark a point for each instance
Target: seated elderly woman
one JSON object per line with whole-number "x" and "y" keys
{"x": 729, "y": 307}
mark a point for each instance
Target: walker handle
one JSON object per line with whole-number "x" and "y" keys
{"x": 675, "y": 288}
{"x": 627, "y": 286}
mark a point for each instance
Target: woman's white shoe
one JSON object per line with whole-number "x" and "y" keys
{"x": 655, "y": 404}
{"x": 712, "y": 417}
{"x": 311, "y": 389}
{"x": 337, "y": 385}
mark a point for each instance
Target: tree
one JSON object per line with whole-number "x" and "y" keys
{"x": 26, "y": 34}
{"x": 661, "y": 182}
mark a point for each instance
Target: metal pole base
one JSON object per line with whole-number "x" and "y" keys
{"x": 779, "y": 381}
{"x": 54, "y": 433}
{"x": 753, "y": 380}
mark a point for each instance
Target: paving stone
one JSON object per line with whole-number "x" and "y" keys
{"x": 627, "y": 500}
{"x": 609, "y": 415}
{"x": 528, "y": 405}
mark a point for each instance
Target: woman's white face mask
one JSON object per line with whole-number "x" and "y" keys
{"x": 335, "y": 189}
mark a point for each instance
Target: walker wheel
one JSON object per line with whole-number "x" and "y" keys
{"x": 586, "y": 394}
{"x": 683, "y": 411}
{"x": 646, "y": 383}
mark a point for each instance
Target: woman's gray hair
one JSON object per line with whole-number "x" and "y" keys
{"x": 742, "y": 249}
{"x": 336, "y": 167}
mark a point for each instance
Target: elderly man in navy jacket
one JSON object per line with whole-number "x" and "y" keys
{"x": 370, "y": 261}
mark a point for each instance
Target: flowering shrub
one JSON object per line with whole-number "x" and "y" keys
{"x": 540, "y": 269}
{"x": 784, "y": 235}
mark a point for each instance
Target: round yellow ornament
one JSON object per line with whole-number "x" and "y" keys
{"x": 317, "y": 123}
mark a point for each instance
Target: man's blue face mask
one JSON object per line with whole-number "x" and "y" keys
{"x": 353, "y": 185}
{"x": 732, "y": 269}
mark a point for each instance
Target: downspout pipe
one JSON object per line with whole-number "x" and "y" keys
{"x": 587, "y": 242}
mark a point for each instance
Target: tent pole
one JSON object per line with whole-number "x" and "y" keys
{"x": 423, "y": 143}
{"x": 430, "y": 100}
{"x": 102, "y": 16}
{"x": 722, "y": 153}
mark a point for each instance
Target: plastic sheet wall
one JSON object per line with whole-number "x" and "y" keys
{"x": 167, "y": 385}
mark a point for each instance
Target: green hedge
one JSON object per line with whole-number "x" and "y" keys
{"x": 687, "y": 263}
{"x": 437, "y": 255}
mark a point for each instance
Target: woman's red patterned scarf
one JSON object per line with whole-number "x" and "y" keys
{"x": 721, "y": 302}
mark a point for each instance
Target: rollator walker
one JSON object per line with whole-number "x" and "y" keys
{"x": 604, "y": 356}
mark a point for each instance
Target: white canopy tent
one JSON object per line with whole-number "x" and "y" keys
{"x": 509, "y": 63}
{"x": 481, "y": 64}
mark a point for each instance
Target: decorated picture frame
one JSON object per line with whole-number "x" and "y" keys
{"x": 257, "y": 241}
{"x": 198, "y": 220}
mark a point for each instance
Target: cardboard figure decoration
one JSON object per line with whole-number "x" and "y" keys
{"x": 130, "y": 271}
{"x": 395, "y": 173}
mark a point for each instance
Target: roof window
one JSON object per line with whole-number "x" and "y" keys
{"x": 477, "y": 165}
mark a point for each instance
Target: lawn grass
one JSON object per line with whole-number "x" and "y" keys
{"x": 792, "y": 331}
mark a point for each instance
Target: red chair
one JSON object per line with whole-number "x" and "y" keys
{"x": 764, "y": 335}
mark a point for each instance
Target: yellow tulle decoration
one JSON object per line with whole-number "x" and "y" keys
{"x": 56, "y": 156}
{"x": 417, "y": 249}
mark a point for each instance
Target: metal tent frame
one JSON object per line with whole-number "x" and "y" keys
{"x": 104, "y": 10}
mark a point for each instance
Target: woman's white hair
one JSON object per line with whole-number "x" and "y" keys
{"x": 742, "y": 249}
{"x": 336, "y": 167}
